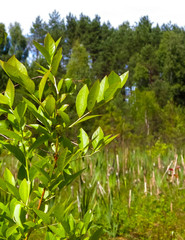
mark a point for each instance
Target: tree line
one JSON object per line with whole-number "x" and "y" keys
{"x": 154, "y": 56}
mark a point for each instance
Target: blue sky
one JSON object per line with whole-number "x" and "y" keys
{"x": 117, "y": 11}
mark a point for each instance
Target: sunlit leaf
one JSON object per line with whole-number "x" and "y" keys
{"x": 83, "y": 140}
{"x": 93, "y": 95}
{"x": 42, "y": 84}
{"x": 124, "y": 78}
{"x": 10, "y": 92}
{"x": 24, "y": 190}
{"x": 104, "y": 84}
{"x": 81, "y": 100}
{"x": 97, "y": 137}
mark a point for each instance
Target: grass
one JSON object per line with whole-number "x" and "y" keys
{"x": 133, "y": 194}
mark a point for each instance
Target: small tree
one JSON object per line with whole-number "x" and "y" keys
{"x": 43, "y": 148}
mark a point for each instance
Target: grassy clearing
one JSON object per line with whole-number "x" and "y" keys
{"x": 133, "y": 195}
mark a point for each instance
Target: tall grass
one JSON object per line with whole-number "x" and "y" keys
{"x": 132, "y": 194}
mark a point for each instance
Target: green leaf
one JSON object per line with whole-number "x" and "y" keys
{"x": 49, "y": 44}
{"x": 110, "y": 92}
{"x": 109, "y": 139}
{"x": 4, "y": 110}
{"x": 18, "y": 73}
{"x": 24, "y": 190}
{"x": 70, "y": 178}
{"x": 4, "y": 99}
{"x": 97, "y": 137}
{"x": 40, "y": 129}
{"x": 30, "y": 224}
{"x": 42, "y": 84}
{"x": 45, "y": 178}
{"x": 45, "y": 218}
{"x": 124, "y": 78}
{"x": 114, "y": 84}
{"x": 13, "y": 190}
{"x": 11, "y": 231}
{"x": 16, "y": 152}
{"x": 50, "y": 104}
{"x": 64, "y": 116}
{"x": 113, "y": 78}
{"x": 60, "y": 83}
{"x": 8, "y": 176}
{"x": 83, "y": 120}
{"x": 43, "y": 50}
{"x": 39, "y": 141}
{"x": 56, "y": 61}
{"x": 34, "y": 111}
{"x": 57, "y": 42}
{"x": 93, "y": 95}
{"x": 68, "y": 83}
{"x": 17, "y": 214}
{"x": 10, "y": 134}
{"x": 56, "y": 181}
{"x": 3, "y": 185}
{"x": 61, "y": 159}
{"x": 19, "y": 112}
{"x": 81, "y": 100}
{"x": 59, "y": 230}
{"x": 50, "y": 236}
{"x": 10, "y": 92}
{"x": 97, "y": 234}
{"x": 104, "y": 84}
{"x": 83, "y": 140}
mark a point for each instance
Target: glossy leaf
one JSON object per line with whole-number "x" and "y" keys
{"x": 83, "y": 140}
{"x": 45, "y": 178}
{"x": 16, "y": 152}
{"x": 24, "y": 190}
{"x": 110, "y": 92}
{"x": 81, "y": 100}
{"x": 61, "y": 159}
{"x": 13, "y": 190}
{"x": 124, "y": 78}
{"x": 43, "y": 50}
{"x": 83, "y": 119}
{"x": 40, "y": 129}
{"x": 114, "y": 84}
{"x": 113, "y": 78}
{"x": 18, "y": 73}
{"x": 93, "y": 95}
{"x": 45, "y": 217}
{"x": 34, "y": 111}
{"x": 20, "y": 111}
{"x": 43, "y": 83}
{"x": 50, "y": 104}
{"x": 60, "y": 83}
{"x": 104, "y": 84}
{"x": 97, "y": 137}
{"x": 64, "y": 116}
{"x": 4, "y": 109}
{"x": 4, "y": 99}
{"x": 3, "y": 185}
{"x": 8, "y": 176}
{"x": 17, "y": 214}
{"x": 10, "y": 92}
{"x": 56, "y": 61}
{"x": 49, "y": 44}
{"x": 12, "y": 230}
{"x": 59, "y": 230}
{"x": 39, "y": 141}
{"x": 10, "y": 134}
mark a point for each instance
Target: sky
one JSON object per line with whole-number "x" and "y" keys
{"x": 114, "y": 11}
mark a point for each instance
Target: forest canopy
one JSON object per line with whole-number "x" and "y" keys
{"x": 154, "y": 56}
